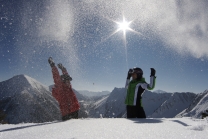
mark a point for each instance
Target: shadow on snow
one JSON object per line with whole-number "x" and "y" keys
{"x": 182, "y": 123}
{"x": 22, "y": 127}
{"x": 142, "y": 120}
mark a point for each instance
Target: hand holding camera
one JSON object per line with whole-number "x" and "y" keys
{"x": 129, "y": 73}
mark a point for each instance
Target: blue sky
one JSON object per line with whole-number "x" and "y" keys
{"x": 171, "y": 37}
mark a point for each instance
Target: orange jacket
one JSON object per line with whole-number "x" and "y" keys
{"x": 64, "y": 94}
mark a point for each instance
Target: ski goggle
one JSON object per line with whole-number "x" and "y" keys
{"x": 136, "y": 71}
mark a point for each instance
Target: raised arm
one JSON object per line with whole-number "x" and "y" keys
{"x": 65, "y": 75}
{"x": 128, "y": 78}
{"x": 151, "y": 85}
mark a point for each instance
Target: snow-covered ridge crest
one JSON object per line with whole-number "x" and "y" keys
{"x": 176, "y": 103}
{"x": 199, "y": 105}
{"x": 34, "y": 83}
{"x": 20, "y": 83}
{"x": 156, "y": 105}
{"x": 23, "y": 99}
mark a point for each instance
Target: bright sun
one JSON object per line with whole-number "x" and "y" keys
{"x": 123, "y": 26}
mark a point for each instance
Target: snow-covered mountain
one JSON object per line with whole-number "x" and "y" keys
{"x": 199, "y": 105}
{"x": 159, "y": 91}
{"x": 176, "y": 103}
{"x": 93, "y": 94}
{"x": 152, "y": 101}
{"x": 113, "y": 106}
{"x": 84, "y": 104}
{"x": 24, "y": 99}
{"x": 97, "y": 108}
{"x": 156, "y": 105}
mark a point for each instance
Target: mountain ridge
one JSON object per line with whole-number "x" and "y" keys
{"x": 23, "y": 99}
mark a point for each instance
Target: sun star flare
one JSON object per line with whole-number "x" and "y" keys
{"x": 123, "y": 26}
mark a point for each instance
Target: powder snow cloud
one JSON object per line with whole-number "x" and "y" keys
{"x": 181, "y": 24}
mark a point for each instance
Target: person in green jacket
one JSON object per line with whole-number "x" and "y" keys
{"x": 135, "y": 88}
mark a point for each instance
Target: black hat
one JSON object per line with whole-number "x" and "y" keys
{"x": 66, "y": 77}
{"x": 139, "y": 72}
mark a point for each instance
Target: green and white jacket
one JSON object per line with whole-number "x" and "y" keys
{"x": 135, "y": 89}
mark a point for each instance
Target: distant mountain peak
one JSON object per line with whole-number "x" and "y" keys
{"x": 23, "y": 99}
{"x": 19, "y": 83}
{"x": 31, "y": 81}
{"x": 19, "y": 77}
{"x": 159, "y": 91}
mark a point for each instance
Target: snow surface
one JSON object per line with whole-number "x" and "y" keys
{"x": 109, "y": 128}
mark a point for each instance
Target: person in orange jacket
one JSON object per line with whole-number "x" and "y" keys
{"x": 63, "y": 93}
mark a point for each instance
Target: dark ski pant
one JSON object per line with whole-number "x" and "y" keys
{"x": 135, "y": 112}
{"x": 73, "y": 115}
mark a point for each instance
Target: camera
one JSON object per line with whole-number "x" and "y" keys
{"x": 131, "y": 71}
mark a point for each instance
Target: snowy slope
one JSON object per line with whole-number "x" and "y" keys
{"x": 174, "y": 105}
{"x": 156, "y": 105}
{"x": 84, "y": 104}
{"x": 152, "y": 101}
{"x": 97, "y": 109}
{"x": 110, "y": 106}
{"x": 115, "y": 106}
{"x": 24, "y": 99}
{"x": 110, "y": 128}
{"x": 199, "y": 105}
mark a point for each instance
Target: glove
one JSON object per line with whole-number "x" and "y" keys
{"x": 152, "y": 72}
{"x": 129, "y": 73}
{"x": 60, "y": 66}
{"x": 51, "y": 62}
